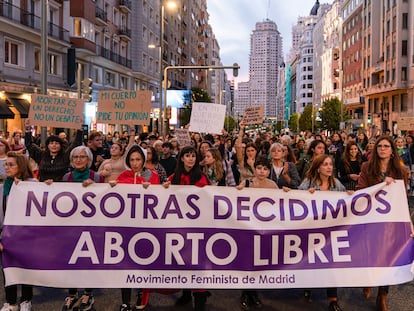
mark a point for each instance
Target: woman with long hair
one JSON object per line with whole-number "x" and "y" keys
{"x": 349, "y": 167}
{"x": 217, "y": 169}
{"x": 383, "y": 166}
{"x": 282, "y": 172}
{"x": 17, "y": 168}
{"x": 188, "y": 172}
{"x": 246, "y": 153}
{"x": 316, "y": 148}
{"x": 320, "y": 177}
{"x": 153, "y": 163}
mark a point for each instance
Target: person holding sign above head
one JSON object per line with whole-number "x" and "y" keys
{"x": 188, "y": 172}
{"x": 17, "y": 169}
{"x": 383, "y": 166}
{"x": 54, "y": 161}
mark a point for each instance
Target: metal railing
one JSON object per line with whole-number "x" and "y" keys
{"x": 28, "y": 19}
{"x": 116, "y": 58}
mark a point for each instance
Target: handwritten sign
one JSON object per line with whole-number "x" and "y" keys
{"x": 183, "y": 137}
{"x": 56, "y": 111}
{"x": 405, "y": 123}
{"x": 207, "y": 118}
{"x": 253, "y": 115}
{"x": 124, "y": 107}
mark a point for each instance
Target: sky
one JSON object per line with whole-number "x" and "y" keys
{"x": 233, "y": 21}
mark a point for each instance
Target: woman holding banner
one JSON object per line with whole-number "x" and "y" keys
{"x": 81, "y": 160}
{"x": 384, "y": 165}
{"x": 136, "y": 173}
{"x": 188, "y": 172}
{"x": 17, "y": 169}
{"x": 320, "y": 177}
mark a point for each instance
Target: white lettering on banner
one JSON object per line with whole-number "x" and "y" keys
{"x": 193, "y": 237}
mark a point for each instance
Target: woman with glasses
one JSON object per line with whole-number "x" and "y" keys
{"x": 384, "y": 165}
{"x": 17, "y": 168}
{"x": 81, "y": 160}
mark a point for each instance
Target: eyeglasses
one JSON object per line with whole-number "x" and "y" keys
{"x": 383, "y": 146}
{"x": 79, "y": 157}
{"x": 9, "y": 164}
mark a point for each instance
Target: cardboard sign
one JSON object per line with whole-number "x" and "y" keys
{"x": 207, "y": 118}
{"x": 56, "y": 111}
{"x": 124, "y": 107}
{"x": 183, "y": 137}
{"x": 253, "y": 115}
{"x": 405, "y": 123}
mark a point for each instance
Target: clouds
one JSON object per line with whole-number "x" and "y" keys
{"x": 233, "y": 22}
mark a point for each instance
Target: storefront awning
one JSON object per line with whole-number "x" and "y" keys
{"x": 5, "y": 112}
{"x": 21, "y": 105}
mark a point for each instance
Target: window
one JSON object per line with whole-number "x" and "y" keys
{"x": 404, "y": 48}
{"x": 13, "y": 53}
{"x": 84, "y": 29}
{"x": 123, "y": 83}
{"x": 37, "y": 59}
{"x": 403, "y": 73}
{"x": 55, "y": 64}
{"x": 97, "y": 75}
{"x": 405, "y": 20}
{"x": 110, "y": 79}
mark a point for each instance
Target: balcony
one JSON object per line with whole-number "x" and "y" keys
{"x": 30, "y": 20}
{"x": 101, "y": 17}
{"x": 124, "y": 33}
{"x": 116, "y": 58}
{"x": 125, "y": 6}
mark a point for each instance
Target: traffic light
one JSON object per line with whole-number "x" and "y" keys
{"x": 87, "y": 89}
{"x": 235, "y": 69}
{"x": 168, "y": 112}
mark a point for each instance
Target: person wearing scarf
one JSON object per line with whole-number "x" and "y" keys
{"x": 81, "y": 160}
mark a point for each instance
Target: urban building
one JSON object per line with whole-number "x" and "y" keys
{"x": 109, "y": 41}
{"x": 266, "y": 56}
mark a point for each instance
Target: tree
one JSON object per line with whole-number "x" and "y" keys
{"x": 229, "y": 123}
{"x": 305, "y": 120}
{"x": 294, "y": 122}
{"x": 197, "y": 95}
{"x": 200, "y": 95}
{"x": 331, "y": 114}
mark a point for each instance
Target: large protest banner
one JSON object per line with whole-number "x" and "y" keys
{"x": 56, "y": 111}
{"x": 66, "y": 235}
{"x": 124, "y": 107}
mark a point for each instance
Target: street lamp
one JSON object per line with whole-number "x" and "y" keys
{"x": 169, "y": 4}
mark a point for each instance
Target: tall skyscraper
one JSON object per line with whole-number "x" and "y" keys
{"x": 266, "y": 55}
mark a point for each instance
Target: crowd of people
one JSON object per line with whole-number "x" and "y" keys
{"x": 309, "y": 162}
